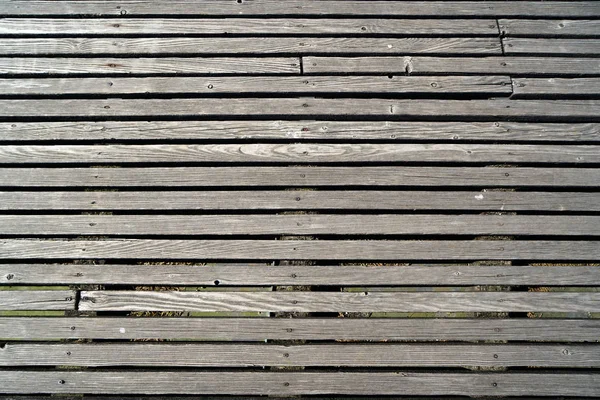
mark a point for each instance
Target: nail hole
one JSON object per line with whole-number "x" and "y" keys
{"x": 10, "y": 277}
{"x": 391, "y": 76}
{"x": 217, "y": 282}
{"x": 61, "y": 382}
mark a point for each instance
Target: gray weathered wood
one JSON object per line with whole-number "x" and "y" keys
{"x": 344, "y": 224}
{"x": 372, "y": 383}
{"x": 37, "y": 300}
{"x": 238, "y": 355}
{"x": 261, "y": 274}
{"x": 550, "y": 27}
{"x": 514, "y": 45}
{"x": 555, "y": 87}
{"x": 299, "y": 177}
{"x": 293, "y": 130}
{"x": 302, "y": 200}
{"x": 258, "y": 45}
{"x": 403, "y": 85}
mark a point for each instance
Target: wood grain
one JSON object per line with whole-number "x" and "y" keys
{"x": 514, "y": 45}
{"x": 554, "y": 28}
{"x": 555, "y": 87}
{"x": 37, "y": 300}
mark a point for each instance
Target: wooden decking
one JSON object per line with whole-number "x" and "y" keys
{"x": 299, "y": 197}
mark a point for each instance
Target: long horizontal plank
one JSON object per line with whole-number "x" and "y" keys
{"x": 514, "y": 45}
{"x": 352, "y": 224}
{"x": 302, "y": 200}
{"x": 259, "y": 329}
{"x": 293, "y": 130}
{"x": 402, "y": 85}
{"x": 299, "y": 177}
{"x": 292, "y": 383}
{"x": 297, "y": 153}
{"x": 550, "y": 27}
{"x": 299, "y": 249}
{"x": 166, "y": 65}
{"x": 37, "y": 300}
{"x": 302, "y": 7}
{"x": 555, "y": 87}
{"x": 237, "y": 355}
{"x": 304, "y": 107}
{"x": 261, "y": 274}
{"x": 530, "y": 66}
{"x": 259, "y": 45}
{"x": 254, "y": 26}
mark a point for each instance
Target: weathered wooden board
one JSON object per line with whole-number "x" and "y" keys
{"x": 258, "y": 45}
{"x": 322, "y": 275}
{"x": 254, "y": 26}
{"x": 371, "y": 383}
{"x": 162, "y": 65}
{"x": 239, "y": 355}
{"x": 530, "y": 66}
{"x": 550, "y": 27}
{"x": 487, "y": 177}
{"x": 402, "y": 85}
{"x": 259, "y": 329}
{"x": 514, "y": 45}
{"x": 498, "y": 131}
{"x": 555, "y": 87}
{"x": 37, "y": 300}
{"x": 302, "y": 200}
{"x": 323, "y": 224}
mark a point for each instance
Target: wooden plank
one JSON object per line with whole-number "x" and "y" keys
{"x": 302, "y": 7}
{"x": 550, "y": 27}
{"x": 540, "y": 110}
{"x": 487, "y": 177}
{"x": 353, "y": 355}
{"x": 291, "y": 383}
{"x": 162, "y": 65}
{"x": 403, "y": 85}
{"x": 37, "y": 300}
{"x": 302, "y": 200}
{"x": 254, "y": 26}
{"x": 322, "y": 275}
{"x": 530, "y": 66}
{"x": 342, "y": 224}
{"x": 498, "y": 131}
{"x": 258, "y": 45}
{"x": 259, "y": 329}
{"x": 514, "y": 45}
{"x": 555, "y": 87}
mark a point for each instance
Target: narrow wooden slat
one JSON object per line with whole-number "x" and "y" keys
{"x": 299, "y": 177}
{"x": 373, "y": 383}
{"x": 302, "y": 200}
{"x": 294, "y": 130}
{"x": 530, "y": 66}
{"x": 381, "y": 224}
{"x": 166, "y": 65}
{"x": 555, "y": 87}
{"x": 259, "y": 45}
{"x": 236, "y": 355}
{"x": 261, "y": 274}
{"x": 557, "y": 28}
{"x": 259, "y": 329}
{"x": 37, "y": 300}
{"x": 497, "y": 85}
{"x": 254, "y": 26}
{"x": 514, "y": 45}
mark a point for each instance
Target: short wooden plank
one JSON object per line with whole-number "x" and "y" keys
{"x": 302, "y": 7}
{"x": 37, "y": 300}
{"x": 302, "y": 200}
{"x": 342, "y": 224}
{"x": 404, "y": 85}
{"x": 542, "y": 110}
{"x": 322, "y": 275}
{"x": 555, "y": 87}
{"x": 293, "y": 383}
{"x": 550, "y": 27}
{"x": 513, "y": 45}
{"x": 487, "y": 177}
{"x": 258, "y": 45}
{"x": 499, "y": 131}
{"x": 162, "y": 65}
{"x": 530, "y": 66}
{"x": 254, "y": 26}
{"x": 259, "y": 329}
{"x": 352, "y": 355}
